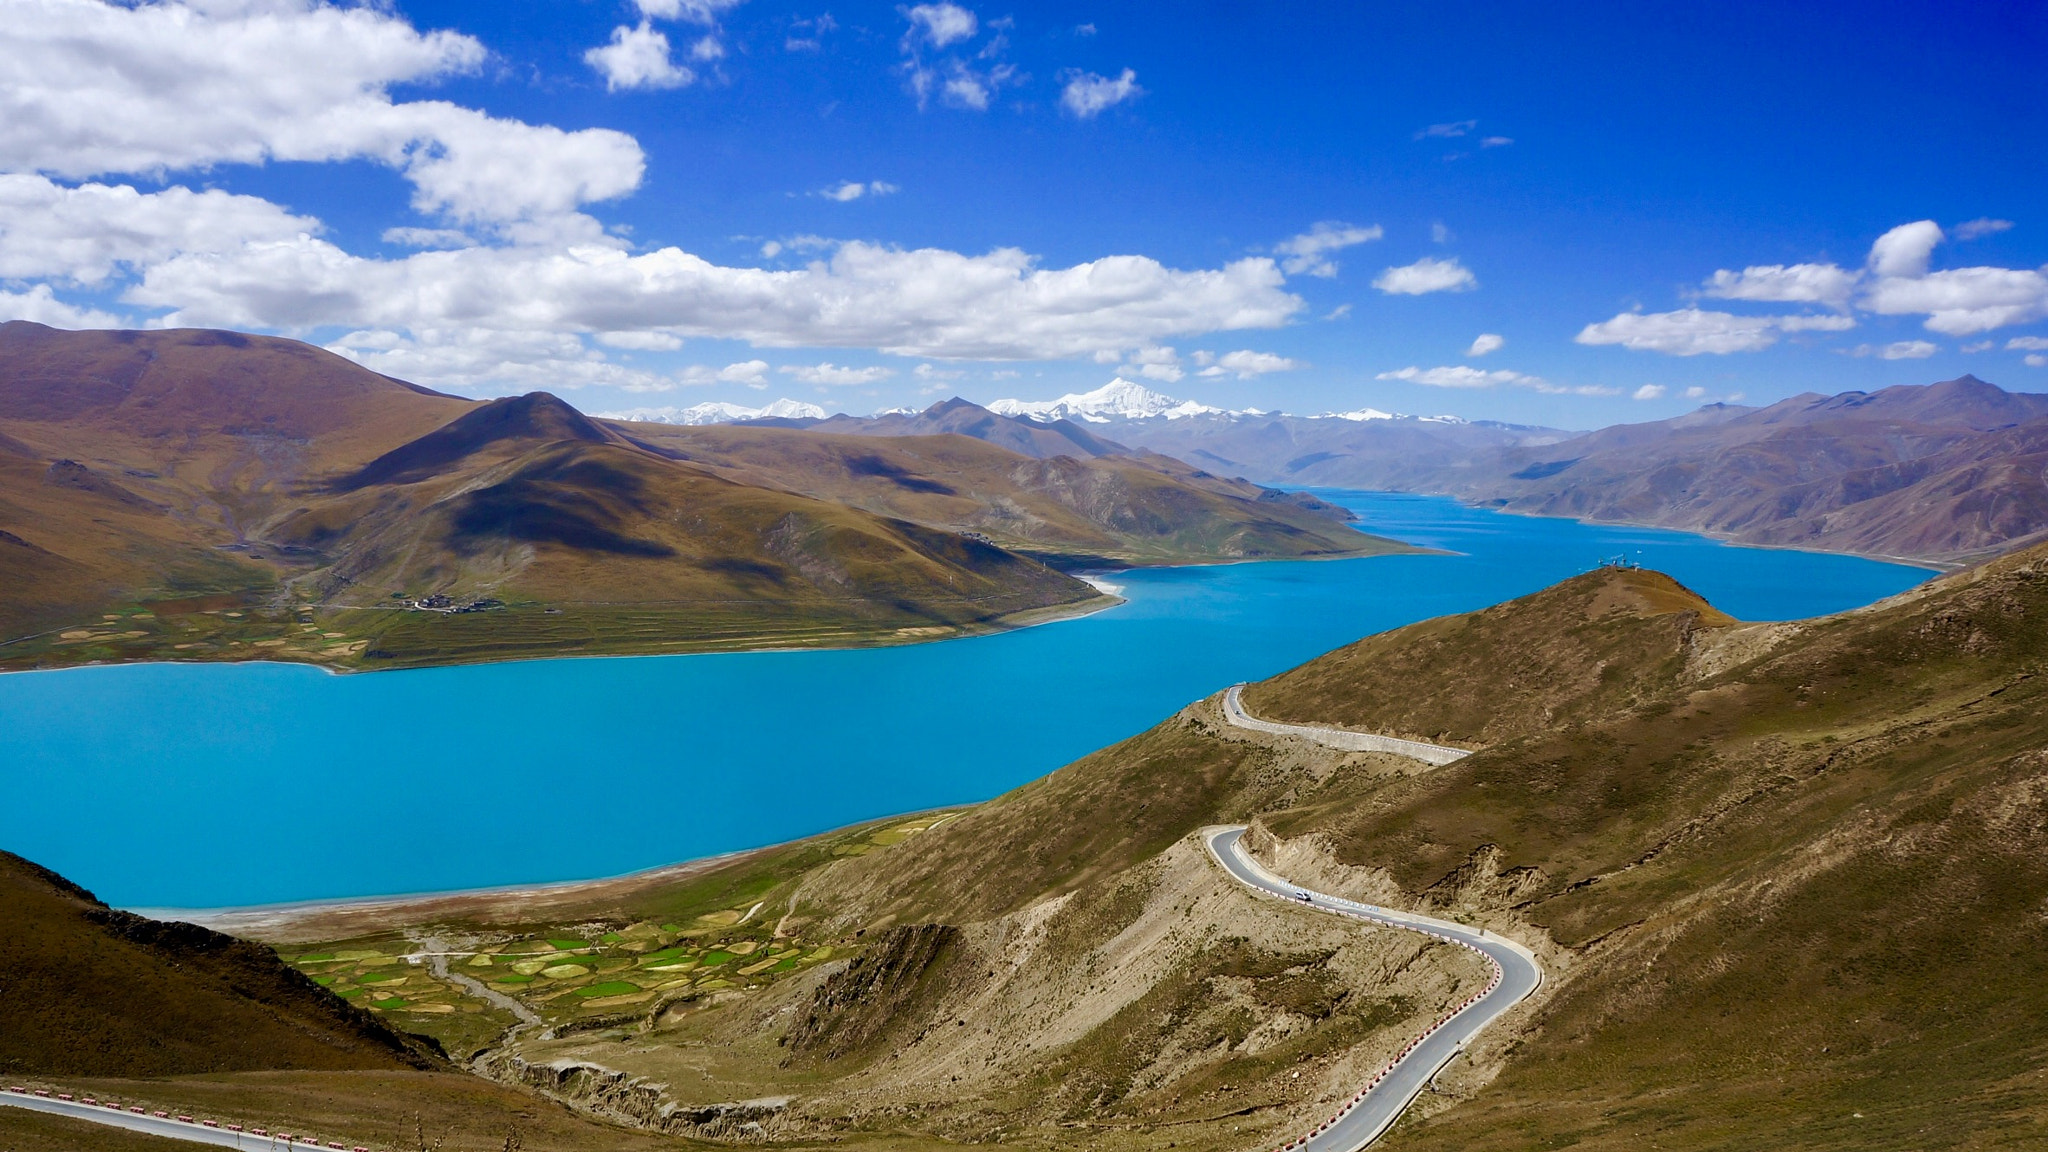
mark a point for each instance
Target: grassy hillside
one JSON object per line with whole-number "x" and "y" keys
{"x": 87, "y": 990}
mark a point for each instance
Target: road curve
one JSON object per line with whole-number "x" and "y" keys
{"x": 1342, "y": 739}
{"x": 1381, "y": 1101}
{"x": 171, "y": 1127}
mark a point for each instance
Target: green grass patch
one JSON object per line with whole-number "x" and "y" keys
{"x": 379, "y": 977}
{"x": 570, "y": 945}
{"x": 323, "y": 981}
{"x": 714, "y": 958}
{"x": 388, "y": 1005}
{"x": 314, "y": 958}
{"x": 349, "y": 993}
{"x": 513, "y": 978}
{"x": 608, "y": 988}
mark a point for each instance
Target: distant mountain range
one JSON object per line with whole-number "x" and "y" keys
{"x": 1945, "y": 473}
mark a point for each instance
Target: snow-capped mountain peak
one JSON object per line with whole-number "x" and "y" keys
{"x": 719, "y": 412}
{"x": 1120, "y": 399}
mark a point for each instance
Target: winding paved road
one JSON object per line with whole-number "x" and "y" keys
{"x": 123, "y": 1116}
{"x": 1370, "y": 1113}
{"x": 1342, "y": 739}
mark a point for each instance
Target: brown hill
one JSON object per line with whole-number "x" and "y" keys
{"x": 1111, "y": 509}
{"x": 1947, "y": 472}
{"x": 87, "y": 990}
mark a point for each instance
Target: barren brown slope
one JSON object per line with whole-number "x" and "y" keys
{"x": 209, "y": 495}
{"x": 87, "y": 990}
{"x": 133, "y": 463}
{"x": 1947, "y": 472}
{"x": 1801, "y": 888}
{"x": 1111, "y": 509}
{"x": 1579, "y": 650}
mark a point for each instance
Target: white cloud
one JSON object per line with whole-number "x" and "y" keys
{"x": 1246, "y": 364}
{"x": 95, "y": 88}
{"x": 1904, "y": 251}
{"x": 637, "y": 58}
{"x": 84, "y": 234}
{"x": 1457, "y": 376}
{"x": 1897, "y": 350}
{"x": 849, "y": 190}
{"x": 925, "y": 302}
{"x": 1650, "y": 392}
{"x": 1981, "y": 226}
{"x": 2027, "y": 343}
{"x": 1155, "y": 362}
{"x": 940, "y": 24}
{"x": 1439, "y": 233}
{"x": 1827, "y": 284}
{"x": 1087, "y": 95}
{"x": 1465, "y": 376}
{"x": 1693, "y": 331}
{"x": 1451, "y": 130}
{"x": 426, "y": 237}
{"x": 484, "y": 360}
{"x": 1428, "y": 274}
{"x": 1964, "y": 301}
{"x": 833, "y": 374}
{"x": 1695, "y": 392}
{"x": 707, "y": 49}
{"x": 695, "y": 11}
{"x": 41, "y": 306}
{"x": 1308, "y": 253}
{"x": 1496, "y": 141}
{"x": 1486, "y": 342}
{"x": 641, "y": 341}
{"x": 2035, "y": 360}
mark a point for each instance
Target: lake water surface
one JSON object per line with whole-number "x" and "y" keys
{"x": 203, "y": 785}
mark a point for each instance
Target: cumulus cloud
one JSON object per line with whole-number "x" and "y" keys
{"x": 1904, "y": 251}
{"x": 1486, "y": 342}
{"x": 1155, "y": 362}
{"x": 1695, "y": 392}
{"x": 850, "y": 190}
{"x": 96, "y": 88}
{"x": 1428, "y": 274}
{"x": 1650, "y": 392}
{"x": 925, "y": 302}
{"x": 940, "y": 25}
{"x": 2035, "y": 360}
{"x": 2027, "y": 343}
{"x": 1897, "y": 279}
{"x": 828, "y": 374}
{"x": 1981, "y": 226}
{"x": 41, "y": 306}
{"x": 1827, "y": 284}
{"x": 1087, "y": 95}
{"x": 1897, "y": 350}
{"x": 84, "y": 234}
{"x": 1309, "y": 253}
{"x": 1693, "y": 331}
{"x": 1246, "y": 364}
{"x": 1496, "y": 141}
{"x": 638, "y": 58}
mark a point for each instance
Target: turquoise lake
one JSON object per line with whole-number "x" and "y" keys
{"x": 200, "y": 785}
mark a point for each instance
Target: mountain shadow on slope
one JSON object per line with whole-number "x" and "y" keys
{"x": 560, "y": 500}
{"x": 86, "y": 990}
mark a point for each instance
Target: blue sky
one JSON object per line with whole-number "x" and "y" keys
{"x": 647, "y": 203}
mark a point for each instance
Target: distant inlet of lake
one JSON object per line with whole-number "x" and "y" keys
{"x": 205, "y": 785}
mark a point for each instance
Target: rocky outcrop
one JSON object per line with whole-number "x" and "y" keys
{"x": 855, "y": 1005}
